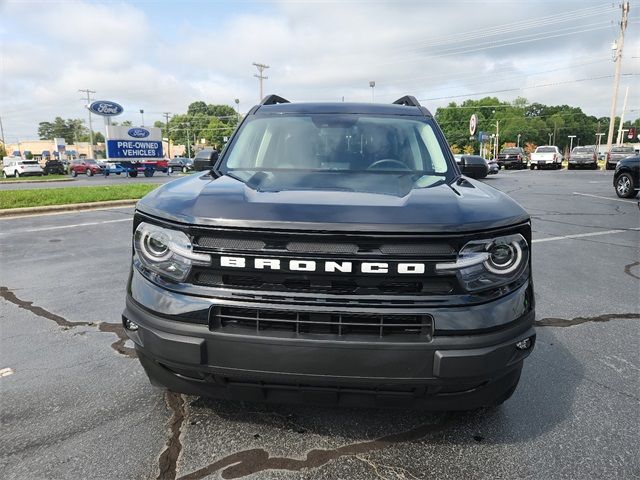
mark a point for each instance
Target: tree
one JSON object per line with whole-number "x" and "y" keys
{"x": 3, "y": 151}
{"x": 69, "y": 129}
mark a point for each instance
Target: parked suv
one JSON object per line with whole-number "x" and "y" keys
{"x": 334, "y": 254}
{"x": 84, "y": 166}
{"x": 17, "y": 167}
{"x": 205, "y": 160}
{"x": 626, "y": 178}
{"x": 52, "y": 167}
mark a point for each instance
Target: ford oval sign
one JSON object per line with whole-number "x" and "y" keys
{"x": 106, "y": 108}
{"x": 138, "y": 132}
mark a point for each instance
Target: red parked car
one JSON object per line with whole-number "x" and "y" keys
{"x": 86, "y": 166}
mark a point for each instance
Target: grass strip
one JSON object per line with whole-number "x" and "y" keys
{"x": 69, "y": 195}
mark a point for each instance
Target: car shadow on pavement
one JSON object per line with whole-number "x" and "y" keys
{"x": 543, "y": 400}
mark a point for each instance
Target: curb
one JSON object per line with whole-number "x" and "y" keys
{"x": 12, "y": 212}
{"x": 53, "y": 180}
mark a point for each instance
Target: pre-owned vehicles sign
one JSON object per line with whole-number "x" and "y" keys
{"x": 134, "y": 149}
{"x": 134, "y": 143}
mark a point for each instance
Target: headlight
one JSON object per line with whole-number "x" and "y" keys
{"x": 490, "y": 263}
{"x": 166, "y": 252}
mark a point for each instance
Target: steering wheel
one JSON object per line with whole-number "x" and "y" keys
{"x": 388, "y": 161}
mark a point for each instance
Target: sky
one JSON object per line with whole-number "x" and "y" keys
{"x": 160, "y": 55}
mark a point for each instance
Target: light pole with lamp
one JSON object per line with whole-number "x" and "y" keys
{"x": 237, "y": 102}
{"x": 372, "y": 84}
{"x": 571, "y": 137}
{"x": 519, "y": 140}
{"x": 550, "y": 135}
{"x": 142, "y": 115}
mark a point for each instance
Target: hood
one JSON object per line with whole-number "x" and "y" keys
{"x": 466, "y": 205}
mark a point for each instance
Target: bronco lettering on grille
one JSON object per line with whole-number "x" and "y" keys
{"x": 296, "y": 265}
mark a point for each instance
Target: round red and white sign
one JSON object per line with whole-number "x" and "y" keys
{"x": 473, "y": 123}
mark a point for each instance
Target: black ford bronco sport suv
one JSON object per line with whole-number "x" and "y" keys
{"x": 333, "y": 254}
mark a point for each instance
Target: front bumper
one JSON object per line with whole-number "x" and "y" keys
{"x": 450, "y": 370}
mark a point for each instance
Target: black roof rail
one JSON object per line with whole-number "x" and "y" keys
{"x": 408, "y": 101}
{"x": 273, "y": 100}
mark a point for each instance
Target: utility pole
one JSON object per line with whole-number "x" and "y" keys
{"x": 617, "y": 57}
{"x": 89, "y": 92}
{"x": 2, "y": 132}
{"x": 497, "y": 144}
{"x": 372, "y": 84}
{"x": 624, "y": 107}
{"x": 188, "y": 142}
{"x": 142, "y": 116}
{"x": 261, "y": 68}
{"x": 166, "y": 124}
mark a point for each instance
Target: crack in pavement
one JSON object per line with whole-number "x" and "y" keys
{"x": 257, "y": 460}
{"x": 566, "y": 322}
{"x": 168, "y": 459}
{"x": 627, "y": 270}
{"x": 114, "y": 328}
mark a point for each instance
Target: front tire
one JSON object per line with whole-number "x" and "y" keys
{"x": 17, "y": 174}
{"x": 625, "y": 187}
{"x": 89, "y": 172}
{"x": 185, "y": 169}
{"x": 532, "y": 167}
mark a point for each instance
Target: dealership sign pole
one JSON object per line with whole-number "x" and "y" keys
{"x": 106, "y": 109}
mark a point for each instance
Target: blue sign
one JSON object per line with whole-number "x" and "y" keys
{"x": 134, "y": 149}
{"x": 138, "y": 132}
{"x": 106, "y": 108}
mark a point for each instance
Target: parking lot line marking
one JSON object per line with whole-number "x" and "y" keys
{"x": 60, "y": 227}
{"x": 5, "y": 372}
{"x": 604, "y": 198}
{"x": 581, "y": 235}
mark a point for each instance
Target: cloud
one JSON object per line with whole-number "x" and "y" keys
{"x": 160, "y": 57}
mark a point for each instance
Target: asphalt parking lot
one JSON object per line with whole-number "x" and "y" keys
{"x": 75, "y": 403}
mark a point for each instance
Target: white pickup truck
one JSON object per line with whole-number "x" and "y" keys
{"x": 546, "y": 156}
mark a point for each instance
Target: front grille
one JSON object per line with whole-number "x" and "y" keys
{"x": 301, "y": 283}
{"x": 327, "y": 323}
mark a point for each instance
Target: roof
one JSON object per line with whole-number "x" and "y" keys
{"x": 341, "y": 107}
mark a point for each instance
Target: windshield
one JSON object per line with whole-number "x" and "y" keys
{"x": 545, "y": 150}
{"x": 350, "y": 152}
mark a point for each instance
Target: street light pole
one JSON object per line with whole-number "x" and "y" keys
{"x": 571, "y": 137}
{"x": 518, "y": 140}
{"x": 550, "y": 134}
{"x": 142, "y": 115}
{"x": 237, "y": 102}
{"x": 372, "y": 84}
